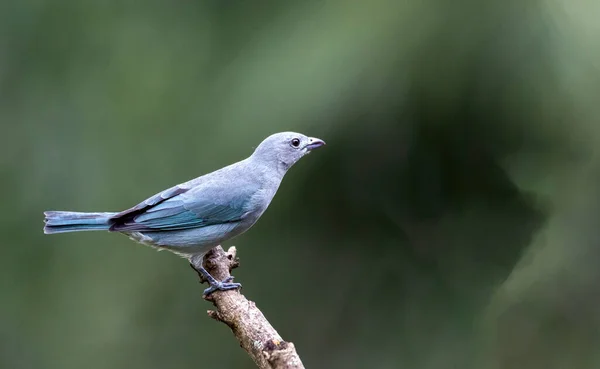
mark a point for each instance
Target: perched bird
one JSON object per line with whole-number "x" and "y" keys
{"x": 193, "y": 217}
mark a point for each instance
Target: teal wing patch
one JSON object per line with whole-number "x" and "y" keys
{"x": 196, "y": 208}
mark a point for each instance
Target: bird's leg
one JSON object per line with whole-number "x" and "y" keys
{"x": 196, "y": 263}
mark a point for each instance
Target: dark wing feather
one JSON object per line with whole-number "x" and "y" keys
{"x": 151, "y": 202}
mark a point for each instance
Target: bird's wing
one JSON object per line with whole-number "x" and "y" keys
{"x": 182, "y": 208}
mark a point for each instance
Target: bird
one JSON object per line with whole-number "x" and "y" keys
{"x": 191, "y": 218}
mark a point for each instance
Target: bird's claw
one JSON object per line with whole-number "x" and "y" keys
{"x": 215, "y": 285}
{"x": 224, "y": 285}
{"x": 228, "y": 279}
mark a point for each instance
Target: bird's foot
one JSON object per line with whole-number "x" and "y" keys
{"x": 215, "y": 285}
{"x": 224, "y": 285}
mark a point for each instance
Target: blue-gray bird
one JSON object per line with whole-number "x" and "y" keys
{"x": 193, "y": 217}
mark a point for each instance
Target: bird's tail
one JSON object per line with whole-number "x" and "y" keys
{"x": 72, "y": 221}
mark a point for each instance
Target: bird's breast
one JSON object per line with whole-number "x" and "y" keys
{"x": 259, "y": 202}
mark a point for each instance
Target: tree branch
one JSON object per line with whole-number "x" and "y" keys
{"x": 254, "y": 333}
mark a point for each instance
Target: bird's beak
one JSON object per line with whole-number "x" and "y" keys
{"x": 314, "y": 143}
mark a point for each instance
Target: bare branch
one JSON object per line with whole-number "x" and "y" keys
{"x": 254, "y": 333}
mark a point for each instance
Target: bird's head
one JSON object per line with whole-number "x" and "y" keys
{"x": 284, "y": 149}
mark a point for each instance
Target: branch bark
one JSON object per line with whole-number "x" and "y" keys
{"x": 254, "y": 333}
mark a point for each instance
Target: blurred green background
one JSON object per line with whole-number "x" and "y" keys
{"x": 451, "y": 221}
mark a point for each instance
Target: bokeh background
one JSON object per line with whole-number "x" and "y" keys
{"x": 451, "y": 222}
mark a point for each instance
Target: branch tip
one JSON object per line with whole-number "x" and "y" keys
{"x": 232, "y": 252}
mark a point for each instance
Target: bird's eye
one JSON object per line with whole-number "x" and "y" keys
{"x": 296, "y": 142}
